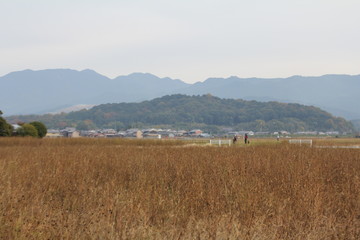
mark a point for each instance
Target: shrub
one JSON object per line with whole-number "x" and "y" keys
{"x": 27, "y": 130}
{"x": 41, "y": 128}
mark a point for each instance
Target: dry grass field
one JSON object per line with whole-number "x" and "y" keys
{"x": 131, "y": 189}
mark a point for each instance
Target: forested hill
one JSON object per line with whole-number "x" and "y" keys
{"x": 185, "y": 111}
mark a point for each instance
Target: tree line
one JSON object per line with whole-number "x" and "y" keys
{"x": 33, "y": 129}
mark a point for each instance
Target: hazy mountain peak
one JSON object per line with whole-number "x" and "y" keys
{"x": 144, "y": 76}
{"x": 148, "y": 80}
{"x": 141, "y": 74}
{"x": 89, "y": 71}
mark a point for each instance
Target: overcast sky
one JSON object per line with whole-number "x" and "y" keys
{"x": 189, "y": 40}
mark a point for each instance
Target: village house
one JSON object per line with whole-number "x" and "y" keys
{"x": 194, "y": 133}
{"x": 70, "y": 133}
{"x": 133, "y": 132}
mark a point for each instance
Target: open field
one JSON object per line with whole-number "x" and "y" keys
{"x": 153, "y": 189}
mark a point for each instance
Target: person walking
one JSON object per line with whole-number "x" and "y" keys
{"x": 246, "y": 138}
{"x": 234, "y": 139}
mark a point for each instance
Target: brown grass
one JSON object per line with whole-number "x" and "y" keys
{"x": 129, "y": 189}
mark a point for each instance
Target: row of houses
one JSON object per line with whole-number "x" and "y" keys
{"x": 129, "y": 133}
{"x": 168, "y": 133}
{"x": 286, "y": 133}
{"x": 329, "y": 133}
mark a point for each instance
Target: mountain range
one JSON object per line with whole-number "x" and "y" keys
{"x": 52, "y": 90}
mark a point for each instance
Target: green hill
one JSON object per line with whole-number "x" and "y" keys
{"x": 206, "y": 111}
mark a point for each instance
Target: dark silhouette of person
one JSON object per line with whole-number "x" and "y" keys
{"x": 234, "y": 139}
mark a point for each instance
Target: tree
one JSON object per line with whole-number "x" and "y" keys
{"x": 41, "y": 128}
{"x": 5, "y": 128}
{"x": 27, "y": 130}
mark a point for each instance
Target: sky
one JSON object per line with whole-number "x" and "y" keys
{"x": 190, "y": 40}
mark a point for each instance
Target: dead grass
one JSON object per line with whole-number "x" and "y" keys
{"x": 337, "y": 142}
{"x": 112, "y": 189}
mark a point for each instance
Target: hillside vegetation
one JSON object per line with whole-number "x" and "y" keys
{"x": 204, "y": 111}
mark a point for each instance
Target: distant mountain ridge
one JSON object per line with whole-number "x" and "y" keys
{"x": 38, "y": 92}
{"x": 337, "y": 94}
